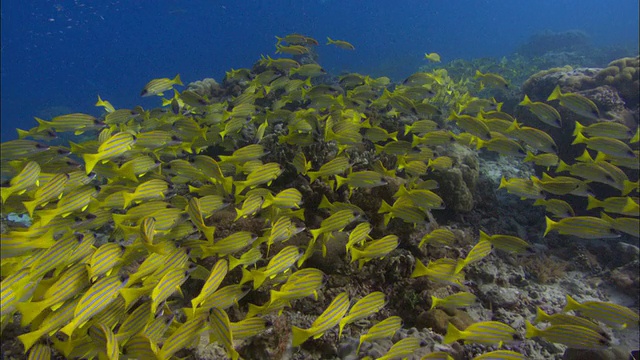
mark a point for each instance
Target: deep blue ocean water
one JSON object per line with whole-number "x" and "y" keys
{"x": 57, "y": 56}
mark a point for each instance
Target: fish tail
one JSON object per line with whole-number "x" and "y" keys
{"x": 355, "y": 254}
{"x": 562, "y": 166}
{"x": 480, "y": 143}
{"x": 580, "y": 139}
{"x": 330, "y": 41}
{"x": 586, "y": 157}
{"x": 529, "y": 156}
{"x": 315, "y": 233}
{"x": 627, "y": 187}
{"x": 606, "y": 217}
{"x": 240, "y": 186}
{"x": 513, "y": 126}
{"x": 31, "y": 310}
{"x": 5, "y": 192}
{"x": 90, "y": 161}
{"x": 592, "y": 202}
{"x": 484, "y": 236}
{"x": 460, "y": 264}
{"x": 478, "y": 74}
{"x": 340, "y": 181}
{"x": 30, "y": 206}
{"x": 541, "y": 316}
{"x": 556, "y": 94}
{"x": 452, "y": 335}
{"x": 434, "y": 302}
{"x": 578, "y": 129}
{"x": 503, "y": 183}
{"x": 526, "y": 101}
{"x": 246, "y": 276}
{"x": 299, "y": 335}
{"x": 384, "y": 208}
{"x": 359, "y": 344}
{"x": 550, "y": 225}
{"x": 69, "y": 328}
{"x": 341, "y": 326}
{"x": 128, "y": 198}
{"x": 46, "y": 216}
{"x": 22, "y": 133}
{"x": 130, "y": 295}
{"x": 30, "y": 338}
{"x": 208, "y": 233}
{"x": 415, "y": 141}
{"x": 176, "y": 80}
{"x": 233, "y": 262}
{"x": 402, "y": 191}
{"x": 43, "y": 124}
{"x": 539, "y": 202}
{"x": 419, "y": 270}
{"x": 531, "y": 331}
{"x": 258, "y": 278}
{"x": 324, "y": 203}
{"x": 394, "y": 136}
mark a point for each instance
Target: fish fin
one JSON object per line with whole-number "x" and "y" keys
{"x": 29, "y": 339}
{"x": 30, "y": 311}
{"x": 258, "y": 278}
{"x": 556, "y": 94}
{"x": 531, "y": 331}
{"x": 550, "y": 225}
{"x": 580, "y": 139}
{"x": 176, "y": 80}
{"x": 90, "y": 161}
{"x": 452, "y": 335}
{"x": 299, "y": 335}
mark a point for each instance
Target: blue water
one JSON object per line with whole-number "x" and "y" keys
{"x": 57, "y": 56}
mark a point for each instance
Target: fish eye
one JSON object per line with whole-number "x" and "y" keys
{"x": 41, "y": 146}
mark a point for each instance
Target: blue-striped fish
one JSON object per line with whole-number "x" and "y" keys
{"x": 22, "y": 181}
{"x": 484, "y": 332}
{"x": 70, "y": 283}
{"x": 328, "y": 319}
{"x": 47, "y": 192}
{"x": 40, "y": 352}
{"x": 182, "y": 337}
{"x": 98, "y": 297}
{"x": 573, "y": 336}
{"x": 221, "y": 331}
{"x": 614, "y": 315}
{"x": 159, "y": 86}
{"x": 104, "y": 259}
{"x": 383, "y": 329}
{"x": 218, "y": 272}
{"x": 403, "y": 348}
{"x": 364, "y": 307}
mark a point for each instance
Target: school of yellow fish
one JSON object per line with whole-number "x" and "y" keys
{"x": 153, "y": 180}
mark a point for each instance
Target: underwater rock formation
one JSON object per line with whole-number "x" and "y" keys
{"x": 549, "y": 41}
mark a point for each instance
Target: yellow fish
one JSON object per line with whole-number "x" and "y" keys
{"x": 340, "y": 43}
{"x": 433, "y": 57}
{"x": 159, "y": 86}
